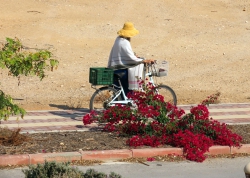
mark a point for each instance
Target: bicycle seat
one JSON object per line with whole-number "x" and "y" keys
{"x": 119, "y": 75}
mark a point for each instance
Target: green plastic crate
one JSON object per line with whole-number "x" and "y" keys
{"x": 101, "y": 76}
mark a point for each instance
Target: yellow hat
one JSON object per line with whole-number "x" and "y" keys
{"x": 128, "y": 30}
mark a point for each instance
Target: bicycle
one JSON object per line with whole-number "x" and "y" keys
{"x": 111, "y": 94}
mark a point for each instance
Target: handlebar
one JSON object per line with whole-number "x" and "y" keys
{"x": 155, "y": 71}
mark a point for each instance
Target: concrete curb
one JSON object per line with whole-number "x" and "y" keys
{"x": 107, "y": 155}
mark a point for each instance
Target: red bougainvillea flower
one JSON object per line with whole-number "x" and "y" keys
{"x": 200, "y": 112}
{"x": 151, "y": 159}
{"x": 89, "y": 118}
{"x": 155, "y": 123}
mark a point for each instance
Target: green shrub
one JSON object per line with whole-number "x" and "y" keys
{"x": 52, "y": 170}
{"x": 18, "y": 61}
{"x": 7, "y": 107}
{"x": 91, "y": 173}
{"x": 63, "y": 170}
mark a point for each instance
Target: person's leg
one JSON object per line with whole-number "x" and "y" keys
{"x": 123, "y": 73}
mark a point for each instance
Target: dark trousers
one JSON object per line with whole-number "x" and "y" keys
{"x": 123, "y": 74}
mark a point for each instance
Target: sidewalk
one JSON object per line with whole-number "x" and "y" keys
{"x": 71, "y": 120}
{"x": 212, "y": 168}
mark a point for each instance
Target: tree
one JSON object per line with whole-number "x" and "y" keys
{"x": 20, "y": 62}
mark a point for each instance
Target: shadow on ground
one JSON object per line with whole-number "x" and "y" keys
{"x": 73, "y": 113}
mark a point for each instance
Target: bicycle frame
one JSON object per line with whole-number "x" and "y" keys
{"x": 121, "y": 90}
{"x": 150, "y": 75}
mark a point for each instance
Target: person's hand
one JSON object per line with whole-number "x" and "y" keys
{"x": 148, "y": 61}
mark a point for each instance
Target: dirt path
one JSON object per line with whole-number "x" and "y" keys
{"x": 205, "y": 42}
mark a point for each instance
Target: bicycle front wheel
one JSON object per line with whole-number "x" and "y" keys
{"x": 101, "y": 98}
{"x": 168, "y": 94}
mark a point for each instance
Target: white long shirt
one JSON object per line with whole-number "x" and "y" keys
{"x": 122, "y": 55}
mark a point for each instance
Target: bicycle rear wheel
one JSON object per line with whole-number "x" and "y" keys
{"x": 101, "y": 98}
{"x": 168, "y": 94}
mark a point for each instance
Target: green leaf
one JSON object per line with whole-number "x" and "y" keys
{"x": 20, "y": 62}
{"x": 7, "y": 107}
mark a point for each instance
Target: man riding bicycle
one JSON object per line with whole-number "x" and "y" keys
{"x": 123, "y": 58}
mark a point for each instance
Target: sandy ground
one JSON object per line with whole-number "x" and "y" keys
{"x": 206, "y": 43}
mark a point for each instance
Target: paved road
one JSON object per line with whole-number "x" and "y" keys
{"x": 214, "y": 168}
{"x": 71, "y": 120}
